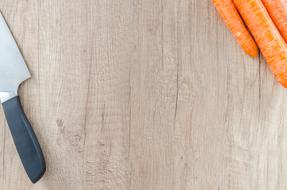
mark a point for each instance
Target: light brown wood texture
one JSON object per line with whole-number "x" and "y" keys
{"x": 143, "y": 95}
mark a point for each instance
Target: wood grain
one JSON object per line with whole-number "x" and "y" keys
{"x": 143, "y": 95}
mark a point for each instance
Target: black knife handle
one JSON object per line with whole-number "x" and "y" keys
{"x": 25, "y": 139}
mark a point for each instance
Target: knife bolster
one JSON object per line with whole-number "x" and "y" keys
{"x": 5, "y": 96}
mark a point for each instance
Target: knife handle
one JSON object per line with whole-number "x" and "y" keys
{"x": 25, "y": 139}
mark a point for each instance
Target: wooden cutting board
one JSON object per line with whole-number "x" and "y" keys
{"x": 143, "y": 95}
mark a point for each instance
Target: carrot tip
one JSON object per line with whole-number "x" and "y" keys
{"x": 253, "y": 54}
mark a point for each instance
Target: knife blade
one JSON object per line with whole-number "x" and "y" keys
{"x": 14, "y": 71}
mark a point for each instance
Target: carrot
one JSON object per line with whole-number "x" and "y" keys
{"x": 230, "y": 16}
{"x": 277, "y": 9}
{"x": 265, "y": 33}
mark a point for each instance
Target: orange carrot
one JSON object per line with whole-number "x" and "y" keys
{"x": 265, "y": 33}
{"x": 230, "y": 16}
{"x": 277, "y": 9}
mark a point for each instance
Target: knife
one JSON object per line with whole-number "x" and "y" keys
{"x": 13, "y": 71}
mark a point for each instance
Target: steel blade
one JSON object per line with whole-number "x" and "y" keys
{"x": 13, "y": 70}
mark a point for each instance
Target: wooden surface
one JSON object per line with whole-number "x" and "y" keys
{"x": 143, "y": 95}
